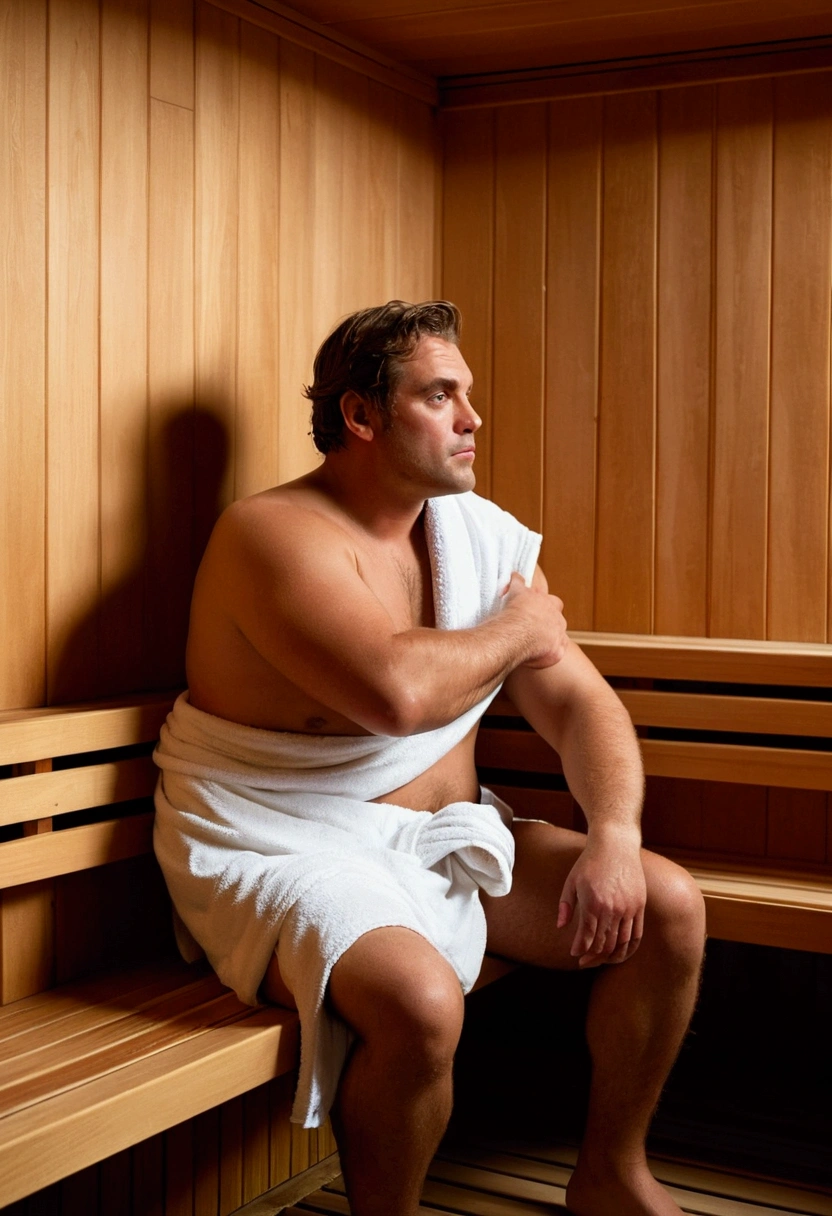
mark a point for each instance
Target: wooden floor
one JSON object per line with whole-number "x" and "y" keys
{"x": 520, "y": 1179}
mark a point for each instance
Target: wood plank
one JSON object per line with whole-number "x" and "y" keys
{"x": 572, "y": 354}
{"x": 27, "y": 938}
{"x": 468, "y": 258}
{"x": 123, "y": 330}
{"x": 171, "y": 393}
{"x": 23, "y": 57}
{"x": 673, "y": 813}
{"x": 73, "y": 575}
{"x": 683, "y": 360}
{"x": 727, "y": 660}
{"x": 61, "y": 731}
{"x": 206, "y": 1163}
{"x": 42, "y": 795}
{"x": 116, "y": 1185}
{"x": 417, "y": 201}
{"x": 755, "y": 715}
{"x": 217, "y": 121}
{"x": 741, "y": 369}
{"x": 149, "y": 1176}
{"x": 626, "y": 436}
{"x": 255, "y": 1143}
{"x": 519, "y": 311}
{"x": 796, "y": 825}
{"x": 513, "y": 87}
{"x": 281, "y": 1093}
{"x": 798, "y": 569}
{"x": 172, "y": 52}
{"x": 108, "y": 1115}
{"x": 734, "y": 817}
{"x": 295, "y": 28}
{"x": 231, "y": 1157}
{"x": 96, "y": 844}
{"x": 258, "y": 413}
{"x": 298, "y": 334}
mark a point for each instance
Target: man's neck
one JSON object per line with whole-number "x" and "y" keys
{"x": 375, "y": 507}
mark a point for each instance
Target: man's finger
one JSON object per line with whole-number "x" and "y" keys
{"x": 585, "y": 935}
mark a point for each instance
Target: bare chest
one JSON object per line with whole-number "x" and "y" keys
{"x": 401, "y": 580}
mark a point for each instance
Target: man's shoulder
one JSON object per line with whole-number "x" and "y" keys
{"x": 277, "y": 523}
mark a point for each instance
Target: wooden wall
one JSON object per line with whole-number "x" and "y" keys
{"x": 188, "y": 203}
{"x": 646, "y": 281}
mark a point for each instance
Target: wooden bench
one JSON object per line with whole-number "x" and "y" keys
{"x": 720, "y": 714}
{"x": 94, "y": 1065}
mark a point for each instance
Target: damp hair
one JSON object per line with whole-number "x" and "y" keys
{"x": 365, "y": 353}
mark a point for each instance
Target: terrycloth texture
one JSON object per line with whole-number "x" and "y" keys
{"x": 268, "y": 839}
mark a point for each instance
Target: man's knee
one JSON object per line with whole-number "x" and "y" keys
{"x": 675, "y": 907}
{"x": 408, "y": 1005}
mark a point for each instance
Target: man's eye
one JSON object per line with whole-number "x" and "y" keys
{"x": 438, "y": 397}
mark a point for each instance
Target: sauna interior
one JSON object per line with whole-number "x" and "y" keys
{"x": 631, "y": 203}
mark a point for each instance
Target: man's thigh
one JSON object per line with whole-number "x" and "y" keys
{"x": 523, "y": 924}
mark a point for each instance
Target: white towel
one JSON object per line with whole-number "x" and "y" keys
{"x": 268, "y": 838}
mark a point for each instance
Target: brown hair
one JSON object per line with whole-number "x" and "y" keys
{"x": 364, "y": 353}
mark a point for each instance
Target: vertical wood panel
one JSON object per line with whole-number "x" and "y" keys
{"x": 117, "y": 1185}
{"x": 300, "y": 1140}
{"x": 22, "y": 352}
{"x": 797, "y": 825}
{"x": 280, "y": 1105}
{"x": 624, "y": 562}
{"x": 382, "y": 178}
{"x": 79, "y": 1193}
{"x": 333, "y": 85}
{"x": 72, "y": 376}
{"x": 149, "y": 1177}
{"x": 179, "y": 1170}
{"x": 416, "y": 200}
{"x": 743, "y": 236}
{"x": 684, "y": 360}
{"x": 123, "y": 364}
{"x": 231, "y": 1156}
{"x": 27, "y": 940}
{"x": 468, "y": 257}
{"x": 256, "y": 1143}
{"x": 206, "y": 1163}
{"x": 799, "y": 462}
{"x": 519, "y": 286}
{"x": 217, "y": 123}
{"x": 734, "y": 818}
{"x": 298, "y": 336}
{"x": 572, "y": 317}
{"x": 257, "y": 440}
{"x": 673, "y": 813}
{"x": 172, "y": 51}
{"x": 170, "y": 391}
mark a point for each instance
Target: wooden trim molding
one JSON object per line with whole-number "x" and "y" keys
{"x": 322, "y": 40}
{"x": 617, "y": 76}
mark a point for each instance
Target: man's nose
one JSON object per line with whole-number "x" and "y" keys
{"x": 469, "y": 419}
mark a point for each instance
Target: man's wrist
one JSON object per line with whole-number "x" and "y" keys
{"x": 619, "y": 833}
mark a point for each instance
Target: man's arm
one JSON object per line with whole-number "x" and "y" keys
{"x": 295, "y": 592}
{"x": 573, "y": 708}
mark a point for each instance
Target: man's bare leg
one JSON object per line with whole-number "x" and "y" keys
{"x": 404, "y": 1002}
{"x": 638, "y": 1015}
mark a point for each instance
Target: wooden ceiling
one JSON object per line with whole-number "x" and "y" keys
{"x": 463, "y": 37}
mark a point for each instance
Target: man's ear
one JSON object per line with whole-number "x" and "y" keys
{"x": 357, "y": 415}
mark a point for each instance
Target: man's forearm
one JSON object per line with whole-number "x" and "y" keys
{"x": 602, "y": 765}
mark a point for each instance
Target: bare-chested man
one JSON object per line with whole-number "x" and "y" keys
{"x": 313, "y": 613}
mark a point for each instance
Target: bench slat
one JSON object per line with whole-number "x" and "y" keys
{"x": 749, "y": 715}
{"x": 725, "y": 660}
{"x": 791, "y": 768}
{"x": 63, "y": 731}
{"x": 96, "y": 844}
{"x": 85, "y": 1124}
{"x": 42, "y": 795}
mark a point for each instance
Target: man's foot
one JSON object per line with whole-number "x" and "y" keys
{"x": 635, "y": 1193}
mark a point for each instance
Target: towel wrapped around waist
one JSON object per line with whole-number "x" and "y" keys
{"x": 268, "y": 839}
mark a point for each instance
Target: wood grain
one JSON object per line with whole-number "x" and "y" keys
{"x": 123, "y": 328}
{"x": 23, "y": 310}
{"x": 683, "y": 360}
{"x": 741, "y": 371}
{"x": 73, "y": 557}
{"x": 468, "y": 259}
{"x": 572, "y": 354}
{"x": 172, "y": 52}
{"x": 798, "y": 550}
{"x": 35, "y": 734}
{"x": 519, "y": 311}
{"x": 626, "y": 439}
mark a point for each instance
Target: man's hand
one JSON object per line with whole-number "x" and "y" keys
{"x": 543, "y": 615}
{"x": 607, "y": 889}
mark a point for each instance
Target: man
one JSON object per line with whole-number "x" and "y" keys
{"x": 314, "y": 623}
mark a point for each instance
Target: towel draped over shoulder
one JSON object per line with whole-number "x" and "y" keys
{"x": 268, "y": 839}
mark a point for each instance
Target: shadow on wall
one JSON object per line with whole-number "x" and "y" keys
{"x": 133, "y": 638}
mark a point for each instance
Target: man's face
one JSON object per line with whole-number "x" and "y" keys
{"x": 430, "y": 440}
